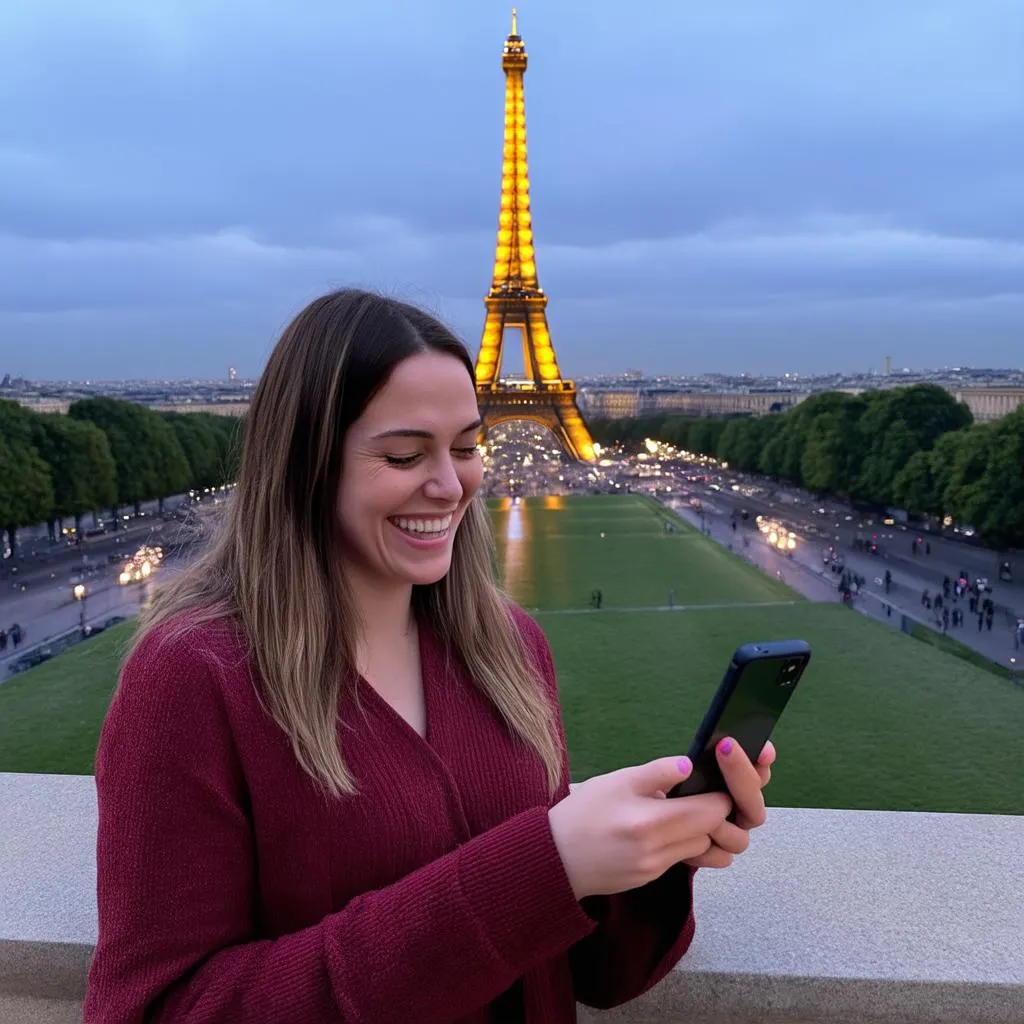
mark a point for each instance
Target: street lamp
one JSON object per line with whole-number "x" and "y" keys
{"x": 80, "y": 596}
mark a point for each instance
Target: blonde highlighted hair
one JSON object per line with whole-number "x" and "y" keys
{"x": 273, "y": 566}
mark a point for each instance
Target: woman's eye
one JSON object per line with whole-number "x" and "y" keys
{"x": 467, "y": 453}
{"x": 401, "y": 460}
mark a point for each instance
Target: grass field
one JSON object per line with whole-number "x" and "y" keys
{"x": 881, "y": 720}
{"x": 50, "y": 716}
{"x": 555, "y": 551}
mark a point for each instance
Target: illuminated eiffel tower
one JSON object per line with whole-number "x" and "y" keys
{"x": 516, "y": 300}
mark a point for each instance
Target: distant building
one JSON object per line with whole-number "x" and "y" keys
{"x": 723, "y": 403}
{"x": 224, "y": 408}
{"x": 987, "y": 404}
{"x": 610, "y": 404}
{"x": 624, "y": 403}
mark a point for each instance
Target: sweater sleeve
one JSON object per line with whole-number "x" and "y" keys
{"x": 177, "y": 882}
{"x": 641, "y": 934}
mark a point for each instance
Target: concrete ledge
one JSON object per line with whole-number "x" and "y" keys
{"x": 833, "y": 917}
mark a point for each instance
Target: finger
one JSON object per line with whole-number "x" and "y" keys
{"x": 767, "y": 755}
{"x": 693, "y": 815}
{"x": 659, "y": 776}
{"x": 688, "y": 850}
{"x": 715, "y": 857}
{"x": 744, "y": 783}
{"x": 764, "y": 773}
{"x": 731, "y": 838}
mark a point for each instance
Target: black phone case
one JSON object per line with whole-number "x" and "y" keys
{"x": 755, "y": 675}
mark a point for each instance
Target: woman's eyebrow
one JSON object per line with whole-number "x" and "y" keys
{"x": 414, "y": 432}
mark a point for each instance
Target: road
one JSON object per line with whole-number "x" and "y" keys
{"x": 47, "y": 607}
{"x": 49, "y": 612}
{"x": 37, "y": 538}
{"x": 805, "y": 571}
{"x": 65, "y": 564}
{"x": 817, "y": 531}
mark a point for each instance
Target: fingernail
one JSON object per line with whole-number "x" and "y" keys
{"x": 725, "y": 747}
{"x": 685, "y": 766}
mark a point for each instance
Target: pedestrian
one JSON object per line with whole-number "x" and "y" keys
{"x": 333, "y": 782}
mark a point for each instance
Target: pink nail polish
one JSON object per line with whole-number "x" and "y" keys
{"x": 725, "y": 747}
{"x": 685, "y": 766}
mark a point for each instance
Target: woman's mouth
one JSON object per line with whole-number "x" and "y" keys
{"x": 423, "y": 527}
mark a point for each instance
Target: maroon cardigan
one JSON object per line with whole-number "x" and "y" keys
{"x": 231, "y": 890}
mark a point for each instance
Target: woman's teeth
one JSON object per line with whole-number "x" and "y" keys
{"x": 423, "y": 527}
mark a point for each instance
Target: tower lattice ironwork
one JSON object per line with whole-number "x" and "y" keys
{"x": 517, "y": 301}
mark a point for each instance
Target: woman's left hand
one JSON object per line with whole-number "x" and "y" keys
{"x": 745, "y": 781}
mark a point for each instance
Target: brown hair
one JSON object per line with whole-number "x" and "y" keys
{"x": 272, "y": 565}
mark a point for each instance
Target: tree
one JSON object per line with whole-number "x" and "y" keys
{"x": 897, "y": 424}
{"x": 965, "y": 493}
{"x": 744, "y": 439}
{"x": 783, "y": 454}
{"x": 889, "y": 453}
{"x": 1000, "y": 515}
{"x": 82, "y": 466}
{"x": 914, "y": 487}
{"x": 147, "y": 453}
{"x": 207, "y": 442}
{"x": 173, "y": 472}
{"x": 986, "y": 487}
{"x": 830, "y": 456}
{"x": 704, "y": 435}
{"x": 941, "y": 461}
{"x": 26, "y": 489}
{"x": 731, "y": 443}
{"x": 26, "y": 486}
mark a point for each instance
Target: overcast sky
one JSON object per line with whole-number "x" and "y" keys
{"x": 730, "y": 185}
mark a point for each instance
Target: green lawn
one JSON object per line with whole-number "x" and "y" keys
{"x": 555, "y": 551}
{"x": 50, "y": 716}
{"x": 881, "y": 720}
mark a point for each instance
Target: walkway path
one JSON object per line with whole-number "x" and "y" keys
{"x": 722, "y": 606}
{"x": 806, "y": 574}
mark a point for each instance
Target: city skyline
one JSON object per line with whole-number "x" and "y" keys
{"x": 743, "y": 189}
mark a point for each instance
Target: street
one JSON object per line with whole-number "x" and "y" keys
{"x": 895, "y": 543}
{"x": 806, "y": 572}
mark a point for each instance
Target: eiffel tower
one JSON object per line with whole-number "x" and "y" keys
{"x": 516, "y": 300}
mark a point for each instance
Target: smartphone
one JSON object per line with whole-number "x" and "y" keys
{"x": 755, "y": 691}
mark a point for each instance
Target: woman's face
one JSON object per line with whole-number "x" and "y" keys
{"x": 411, "y": 467}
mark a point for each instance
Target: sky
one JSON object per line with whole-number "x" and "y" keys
{"x": 717, "y": 186}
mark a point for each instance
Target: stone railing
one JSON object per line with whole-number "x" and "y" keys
{"x": 844, "y": 917}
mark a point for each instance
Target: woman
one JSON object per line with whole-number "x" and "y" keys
{"x": 333, "y": 782}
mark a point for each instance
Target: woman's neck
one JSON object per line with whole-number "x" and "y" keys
{"x": 385, "y": 611}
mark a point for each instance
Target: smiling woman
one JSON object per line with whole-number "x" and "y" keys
{"x": 412, "y": 469}
{"x": 333, "y": 782}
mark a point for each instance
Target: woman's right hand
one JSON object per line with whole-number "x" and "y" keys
{"x": 616, "y": 832}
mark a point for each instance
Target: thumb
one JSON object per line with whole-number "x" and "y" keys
{"x": 660, "y": 776}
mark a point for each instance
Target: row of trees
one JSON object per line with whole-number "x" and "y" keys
{"x": 103, "y": 454}
{"x": 916, "y": 448}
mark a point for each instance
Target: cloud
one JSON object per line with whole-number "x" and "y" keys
{"x": 721, "y": 169}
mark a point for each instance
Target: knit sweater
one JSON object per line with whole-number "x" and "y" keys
{"x": 231, "y": 889}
